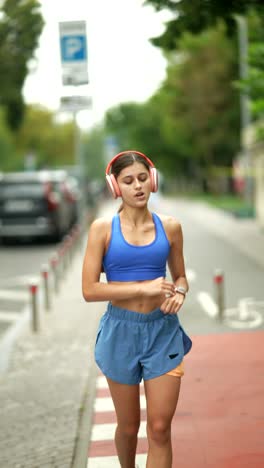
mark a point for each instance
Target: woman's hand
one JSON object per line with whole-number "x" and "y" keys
{"x": 172, "y": 305}
{"x": 157, "y": 287}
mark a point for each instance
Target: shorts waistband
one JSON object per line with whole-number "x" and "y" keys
{"x": 133, "y": 316}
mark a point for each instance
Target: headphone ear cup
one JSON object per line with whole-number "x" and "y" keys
{"x": 154, "y": 179}
{"x": 113, "y": 186}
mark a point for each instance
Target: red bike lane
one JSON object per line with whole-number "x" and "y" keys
{"x": 219, "y": 421}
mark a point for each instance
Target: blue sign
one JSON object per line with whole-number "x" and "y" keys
{"x": 73, "y": 48}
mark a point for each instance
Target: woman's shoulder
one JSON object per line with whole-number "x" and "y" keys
{"x": 169, "y": 222}
{"x": 101, "y": 225}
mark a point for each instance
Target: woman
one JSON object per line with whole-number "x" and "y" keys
{"x": 139, "y": 336}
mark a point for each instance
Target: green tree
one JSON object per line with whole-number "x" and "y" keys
{"x": 40, "y": 134}
{"x": 7, "y": 150}
{"x": 193, "y": 119}
{"x": 255, "y": 83}
{"x": 21, "y": 24}
{"x": 205, "y": 100}
{"x": 139, "y": 126}
{"x": 197, "y": 15}
{"x": 93, "y": 153}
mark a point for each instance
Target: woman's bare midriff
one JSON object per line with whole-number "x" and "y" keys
{"x": 140, "y": 304}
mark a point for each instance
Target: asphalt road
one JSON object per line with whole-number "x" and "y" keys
{"x": 205, "y": 252}
{"x": 20, "y": 262}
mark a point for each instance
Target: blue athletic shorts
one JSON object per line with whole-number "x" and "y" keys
{"x": 131, "y": 345}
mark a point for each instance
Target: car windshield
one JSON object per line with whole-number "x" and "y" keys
{"x": 14, "y": 189}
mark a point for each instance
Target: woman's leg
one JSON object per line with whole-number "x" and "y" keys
{"x": 127, "y": 407}
{"x": 162, "y": 395}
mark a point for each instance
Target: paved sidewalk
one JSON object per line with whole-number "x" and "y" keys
{"x": 46, "y": 395}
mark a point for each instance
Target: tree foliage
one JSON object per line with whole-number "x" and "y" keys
{"x": 20, "y": 26}
{"x": 205, "y": 99}
{"x": 140, "y": 126}
{"x": 193, "y": 119}
{"x": 51, "y": 143}
{"x": 255, "y": 81}
{"x": 197, "y": 15}
{"x": 7, "y": 150}
{"x": 93, "y": 153}
{"x": 253, "y": 84}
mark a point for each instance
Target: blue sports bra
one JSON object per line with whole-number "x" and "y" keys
{"x": 128, "y": 262}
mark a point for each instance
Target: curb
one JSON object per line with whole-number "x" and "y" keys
{"x": 83, "y": 437}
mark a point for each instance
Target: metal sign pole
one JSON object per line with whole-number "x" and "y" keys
{"x": 245, "y": 117}
{"x": 73, "y": 47}
{"x": 79, "y": 164}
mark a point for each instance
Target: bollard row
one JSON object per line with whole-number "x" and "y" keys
{"x": 52, "y": 274}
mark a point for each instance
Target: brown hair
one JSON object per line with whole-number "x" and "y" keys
{"x": 125, "y": 160}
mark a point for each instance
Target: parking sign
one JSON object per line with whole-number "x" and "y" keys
{"x": 73, "y": 47}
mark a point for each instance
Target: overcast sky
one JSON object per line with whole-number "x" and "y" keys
{"x": 122, "y": 64}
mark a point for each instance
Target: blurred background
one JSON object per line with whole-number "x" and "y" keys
{"x": 186, "y": 88}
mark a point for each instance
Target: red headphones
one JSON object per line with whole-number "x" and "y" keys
{"x": 112, "y": 182}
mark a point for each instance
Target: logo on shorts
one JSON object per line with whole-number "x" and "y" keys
{"x": 172, "y": 356}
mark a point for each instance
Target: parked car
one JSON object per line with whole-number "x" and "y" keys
{"x": 37, "y": 204}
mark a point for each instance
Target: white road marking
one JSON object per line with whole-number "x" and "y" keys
{"x": 12, "y": 294}
{"x": 112, "y": 462}
{"x": 6, "y": 316}
{"x": 22, "y": 280}
{"x": 191, "y": 275}
{"x": 207, "y": 303}
{"x": 245, "y": 315}
{"x": 107, "y": 431}
{"x": 106, "y": 404}
{"x": 101, "y": 382}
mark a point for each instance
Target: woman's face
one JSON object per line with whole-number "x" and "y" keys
{"x": 134, "y": 184}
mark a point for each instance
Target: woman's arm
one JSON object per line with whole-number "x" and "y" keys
{"x": 176, "y": 258}
{"x": 93, "y": 290}
{"x": 176, "y": 265}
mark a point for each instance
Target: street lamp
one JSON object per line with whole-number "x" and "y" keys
{"x": 245, "y": 118}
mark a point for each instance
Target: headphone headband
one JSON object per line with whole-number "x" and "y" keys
{"x": 109, "y": 165}
{"x": 112, "y": 182}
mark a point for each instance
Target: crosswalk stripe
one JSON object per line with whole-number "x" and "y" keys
{"x": 207, "y": 303}
{"x": 22, "y": 280}
{"x": 107, "y": 431}
{"x": 15, "y": 295}
{"x": 101, "y": 382}
{"x": 6, "y": 316}
{"x": 106, "y": 404}
{"x": 112, "y": 462}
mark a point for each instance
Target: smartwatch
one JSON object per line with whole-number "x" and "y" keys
{"x": 181, "y": 290}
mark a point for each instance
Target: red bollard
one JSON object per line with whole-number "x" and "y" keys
{"x": 45, "y": 276}
{"x": 33, "y": 288}
{"x": 54, "y": 261}
{"x": 219, "y": 287}
{"x": 62, "y": 258}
